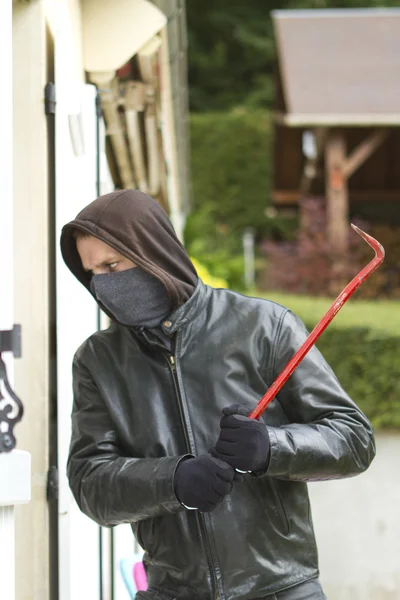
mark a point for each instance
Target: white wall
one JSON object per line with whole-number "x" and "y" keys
{"x": 6, "y": 253}
{"x": 14, "y": 466}
{"x": 6, "y": 298}
{"x": 31, "y": 272}
{"x": 76, "y": 320}
{"x": 357, "y": 524}
{"x": 6, "y": 205}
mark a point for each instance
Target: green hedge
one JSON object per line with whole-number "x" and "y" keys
{"x": 364, "y": 357}
{"x": 231, "y": 168}
{"x": 366, "y": 363}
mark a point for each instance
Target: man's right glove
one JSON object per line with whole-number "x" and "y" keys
{"x": 243, "y": 443}
{"x": 203, "y": 482}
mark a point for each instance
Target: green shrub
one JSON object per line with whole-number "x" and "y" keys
{"x": 309, "y": 264}
{"x": 206, "y": 276}
{"x": 362, "y": 346}
{"x": 365, "y": 363}
{"x": 231, "y": 159}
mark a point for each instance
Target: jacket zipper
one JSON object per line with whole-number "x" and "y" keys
{"x": 203, "y": 527}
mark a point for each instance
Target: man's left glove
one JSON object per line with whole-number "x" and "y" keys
{"x": 243, "y": 443}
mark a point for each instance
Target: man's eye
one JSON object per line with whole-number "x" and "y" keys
{"x": 112, "y": 266}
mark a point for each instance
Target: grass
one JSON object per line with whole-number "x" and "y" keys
{"x": 379, "y": 315}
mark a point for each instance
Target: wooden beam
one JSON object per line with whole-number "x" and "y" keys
{"x": 336, "y": 191}
{"x": 364, "y": 151}
{"x": 375, "y": 196}
{"x": 285, "y": 197}
{"x": 337, "y": 120}
{"x": 115, "y": 129}
{"x": 291, "y": 197}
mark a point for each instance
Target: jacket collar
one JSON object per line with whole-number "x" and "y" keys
{"x": 189, "y": 310}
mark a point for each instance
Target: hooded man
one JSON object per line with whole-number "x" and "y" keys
{"x": 160, "y": 418}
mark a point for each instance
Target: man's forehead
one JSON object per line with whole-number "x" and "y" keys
{"x": 95, "y": 252}
{"x": 93, "y": 244}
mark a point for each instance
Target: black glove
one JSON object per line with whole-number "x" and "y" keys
{"x": 243, "y": 443}
{"x": 203, "y": 482}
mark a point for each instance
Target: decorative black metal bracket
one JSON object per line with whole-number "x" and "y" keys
{"x": 11, "y": 408}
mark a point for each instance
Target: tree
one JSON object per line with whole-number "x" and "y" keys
{"x": 231, "y": 54}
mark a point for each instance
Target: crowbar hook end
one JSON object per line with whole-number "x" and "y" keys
{"x": 375, "y": 245}
{"x": 324, "y": 322}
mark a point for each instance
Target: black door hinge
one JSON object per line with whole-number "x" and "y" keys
{"x": 10, "y": 341}
{"x": 11, "y": 408}
{"x": 52, "y": 484}
{"x": 50, "y": 99}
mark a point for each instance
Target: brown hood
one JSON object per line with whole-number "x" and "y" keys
{"x": 135, "y": 225}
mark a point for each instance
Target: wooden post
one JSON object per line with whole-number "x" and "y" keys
{"x": 336, "y": 191}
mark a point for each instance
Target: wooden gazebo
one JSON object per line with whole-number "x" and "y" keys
{"x": 337, "y": 126}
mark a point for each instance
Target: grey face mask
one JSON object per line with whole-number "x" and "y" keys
{"x": 135, "y": 298}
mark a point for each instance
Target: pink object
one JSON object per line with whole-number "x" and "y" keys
{"x": 139, "y": 576}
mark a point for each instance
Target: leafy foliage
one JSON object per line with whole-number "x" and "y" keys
{"x": 231, "y": 53}
{"x": 231, "y": 174}
{"x": 206, "y": 277}
{"x": 363, "y": 361}
{"x": 310, "y": 265}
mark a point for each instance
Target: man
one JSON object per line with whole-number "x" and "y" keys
{"x": 160, "y": 425}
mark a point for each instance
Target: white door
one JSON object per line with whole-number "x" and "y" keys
{"x": 75, "y": 186}
{"x": 14, "y": 465}
{"x": 76, "y": 320}
{"x": 87, "y": 555}
{"x": 81, "y": 563}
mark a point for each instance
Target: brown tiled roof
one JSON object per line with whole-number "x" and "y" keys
{"x": 340, "y": 66}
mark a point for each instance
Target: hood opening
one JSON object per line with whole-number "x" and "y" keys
{"x": 137, "y": 227}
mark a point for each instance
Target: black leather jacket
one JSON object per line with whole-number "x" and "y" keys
{"x": 139, "y": 408}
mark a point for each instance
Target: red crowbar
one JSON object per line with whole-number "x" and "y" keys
{"x": 323, "y": 323}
